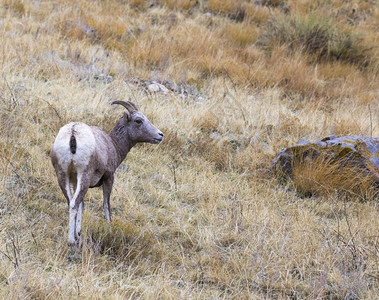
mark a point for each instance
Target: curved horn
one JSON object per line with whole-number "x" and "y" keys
{"x": 130, "y": 106}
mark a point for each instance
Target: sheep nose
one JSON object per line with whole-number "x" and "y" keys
{"x": 161, "y": 134}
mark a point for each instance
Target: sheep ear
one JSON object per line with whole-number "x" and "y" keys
{"x": 127, "y": 116}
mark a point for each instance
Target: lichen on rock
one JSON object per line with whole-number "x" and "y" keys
{"x": 344, "y": 161}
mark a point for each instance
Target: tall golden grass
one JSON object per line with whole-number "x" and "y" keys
{"x": 326, "y": 176}
{"x": 196, "y": 217}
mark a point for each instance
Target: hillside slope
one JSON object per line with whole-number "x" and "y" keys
{"x": 197, "y": 217}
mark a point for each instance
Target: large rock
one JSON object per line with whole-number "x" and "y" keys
{"x": 354, "y": 152}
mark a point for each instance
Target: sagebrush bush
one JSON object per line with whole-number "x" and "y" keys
{"x": 322, "y": 38}
{"x": 233, "y": 9}
{"x": 241, "y": 34}
{"x": 184, "y": 5}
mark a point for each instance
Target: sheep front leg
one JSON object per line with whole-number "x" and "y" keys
{"x": 107, "y": 189}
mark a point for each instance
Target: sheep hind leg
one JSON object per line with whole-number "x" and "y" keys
{"x": 64, "y": 184}
{"x": 78, "y": 225}
{"x": 76, "y": 210}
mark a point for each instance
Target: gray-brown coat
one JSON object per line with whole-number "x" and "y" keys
{"x": 87, "y": 157}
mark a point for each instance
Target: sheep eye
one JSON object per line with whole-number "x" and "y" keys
{"x": 138, "y": 121}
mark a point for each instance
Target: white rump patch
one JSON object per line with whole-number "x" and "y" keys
{"x": 85, "y": 146}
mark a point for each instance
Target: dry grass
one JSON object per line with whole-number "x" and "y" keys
{"x": 325, "y": 176}
{"x": 195, "y": 217}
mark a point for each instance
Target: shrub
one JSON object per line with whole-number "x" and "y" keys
{"x": 184, "y": 5}
{"x": 235, "y": 10}
{"x": 273, "y": 3}
{"x": 16, "y": 6}
{"x": 317, "y": 36}
{"x": 241, "y": 34}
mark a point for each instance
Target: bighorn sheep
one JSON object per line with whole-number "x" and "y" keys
{"x": 87, "y": 157}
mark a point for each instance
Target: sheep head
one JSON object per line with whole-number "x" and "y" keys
{"x": 138, "y": 126}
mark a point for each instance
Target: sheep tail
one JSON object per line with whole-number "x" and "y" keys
{"x": 73, "y": 144}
